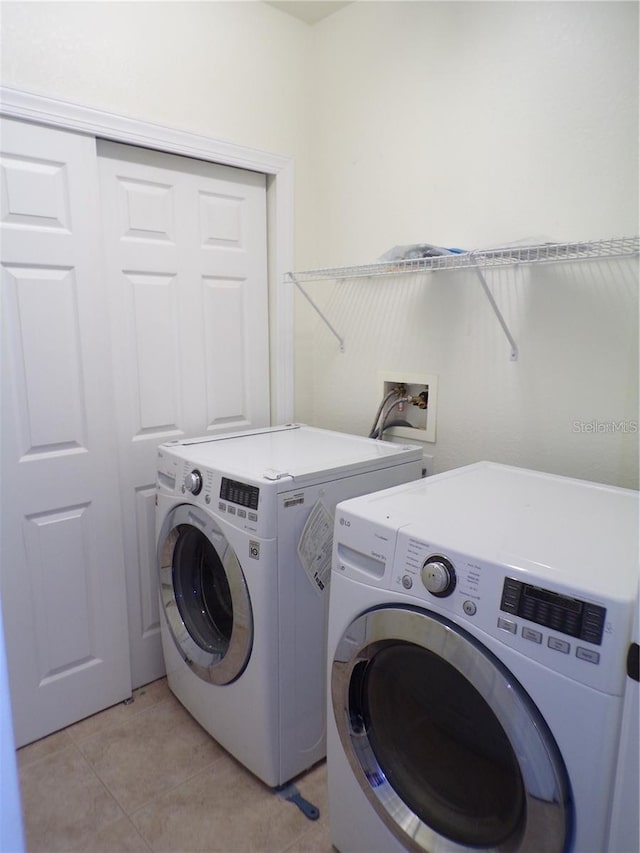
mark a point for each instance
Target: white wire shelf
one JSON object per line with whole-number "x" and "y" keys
{"x": 477, "y": 261}
{"x": 619, "y": 247}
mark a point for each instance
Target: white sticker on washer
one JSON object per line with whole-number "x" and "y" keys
{"x": 315, "y": 545}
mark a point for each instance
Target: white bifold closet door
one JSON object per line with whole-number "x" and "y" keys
{"x": 62, "y": 569}
{"x": 186, "y": 261}
{"x": 134, "y": 311}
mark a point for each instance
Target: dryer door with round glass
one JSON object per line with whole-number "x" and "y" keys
{"x": 447, "y": 746}
{"x": 204, "y": 595}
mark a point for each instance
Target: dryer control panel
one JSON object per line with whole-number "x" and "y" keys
{"x": 562, "y": 613}
{"x": 540, "y": 564}
{"x": 552, "y": 624}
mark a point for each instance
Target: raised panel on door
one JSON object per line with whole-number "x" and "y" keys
{"x": 58, "y": 549}
{"x": 151, "y": 306}
{"x": 220, "y": 220}
{"x": 62, "y": 583}
{"x": 185, "y": 243}
{"x": 225, "y": 336}
{"x": 44, "y": 337}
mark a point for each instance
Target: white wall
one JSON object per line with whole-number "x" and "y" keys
{"x": 475, "y": 124}
{"x": 230, "y": 70}
{"x": 466, "y": 124}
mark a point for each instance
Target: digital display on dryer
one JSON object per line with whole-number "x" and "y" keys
{"x": 239, "y": 493}
{"x": 552, "y": 610}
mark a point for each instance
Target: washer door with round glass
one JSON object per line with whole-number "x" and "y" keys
{"x": 447, "y": 746}
{"x": 204, "y": 595}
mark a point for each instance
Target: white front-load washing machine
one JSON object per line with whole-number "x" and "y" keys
{"x": 244, "y": 526}
{"x": 479, "y": 625}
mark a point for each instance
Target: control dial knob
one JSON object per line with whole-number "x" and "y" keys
{"x": 438, "y": 576}
{"x": 193, "y": 482}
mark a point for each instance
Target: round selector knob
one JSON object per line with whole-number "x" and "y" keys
{"x": 438, "y": 576}
{"x": 193, "y": 482}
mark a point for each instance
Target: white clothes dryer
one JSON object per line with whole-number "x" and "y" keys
{"x": 478, "y": 631}
{"x": 625, "y": 816}
{"x": 244, "y": 527}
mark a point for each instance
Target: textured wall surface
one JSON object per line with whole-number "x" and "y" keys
{"x": 475, "y": 125}
{"x": 469, "y": 124}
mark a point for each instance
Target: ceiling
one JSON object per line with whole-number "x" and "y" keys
{"x": 309, "y": 11}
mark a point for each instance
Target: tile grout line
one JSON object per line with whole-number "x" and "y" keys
{"x": 177, "y": 785}
{"x": 134, "y": 712}
{"x": 106, "y": 731}
{"x": 71, "y": 746}
{"x": 116, "y": 723}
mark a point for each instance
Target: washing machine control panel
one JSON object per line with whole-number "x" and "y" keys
{"x": 239, "y": 503}
{"x": 239, "y": 493}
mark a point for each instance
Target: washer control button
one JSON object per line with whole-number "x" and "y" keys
{"x": 559, "y": 645}
{"x": 507, "y": 625}
{"x": 207, "y": 498}
{"x": 469, "y": 608}
{"x": 222, "y": 506}
{"x": 530, "y": 634}
{"x": 407, "y": 581}
{"x": 588, "y": 655}
{"x": 253, "y": 516}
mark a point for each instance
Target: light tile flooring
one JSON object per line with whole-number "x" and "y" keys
{"x": 147, "y": 777}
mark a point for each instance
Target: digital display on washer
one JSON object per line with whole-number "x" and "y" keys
{"x": 552, "y": 610}
{"x": 239, "y": 493}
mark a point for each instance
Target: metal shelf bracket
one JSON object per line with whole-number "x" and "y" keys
{"x": 317, "y": 310}
{"x": 496, "y": 311}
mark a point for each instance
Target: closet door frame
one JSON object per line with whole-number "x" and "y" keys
{"x": 15, "y": 103}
